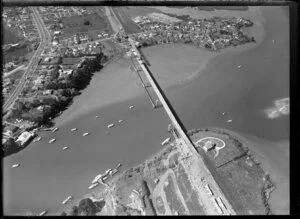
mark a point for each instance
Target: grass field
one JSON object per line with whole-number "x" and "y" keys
{"x": 125, "y": 18}
{"x": 85, "y": 23}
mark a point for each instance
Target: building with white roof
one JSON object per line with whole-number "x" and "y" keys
{"x": 24, "y": 137}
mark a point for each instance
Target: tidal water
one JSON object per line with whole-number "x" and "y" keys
{"x": 47, "y": 174}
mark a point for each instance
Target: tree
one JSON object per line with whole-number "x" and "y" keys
{"x": 75, "y": 211}
{"x": 87, "y": 207}
{"x": 63, "y": 214}
{"x": 87, "y": 23}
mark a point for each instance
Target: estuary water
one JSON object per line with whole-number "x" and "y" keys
{"x": 47, "y": 174}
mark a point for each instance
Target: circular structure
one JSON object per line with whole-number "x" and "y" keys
{"x": 211, "y": 143}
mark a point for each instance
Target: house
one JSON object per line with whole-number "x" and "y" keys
{"x": 48, "y": 92}
{"x": 25, "y": 137}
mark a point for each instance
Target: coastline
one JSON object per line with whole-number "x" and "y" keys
{"x": 101, "y": 192}
{"x": 269, "y": 155}
{"x": 122, "y": 78}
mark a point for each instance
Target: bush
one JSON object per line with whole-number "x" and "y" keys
{"x": 87, "y": 207}
{"x": 74, "y": 211}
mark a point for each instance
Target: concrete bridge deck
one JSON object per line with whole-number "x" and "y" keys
{"x": 188, "y": 146}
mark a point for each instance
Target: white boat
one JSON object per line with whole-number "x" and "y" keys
{"x": 37, "y": 139}
{"x": 52, "y": 140}
{"x": 107, "y": 171}
{"x": 65, "y": 148}
{"x": 273, "y": 41}
{"x": 15, "y": 165}
{"x": 229, "y": 120}
{"x": 43, "y": 213}
{"x": 104, "y": 178}
{"x": 131, "y": 107}
{"x": 223, "y": 113}
{"x": 97, "y": 116}
{"x": 120, "y": 121}
{"x": 119, "y": 165}
{"x": 97, "y": 179}
{"x": 113, "y": 172}
{"x": 55, "y": 129}
{"x": 239, "y": 66}
{"x": 66, "y": 200}
{"x": 73, "y": 129}
{"x": 93, "y": 185}
{"x": 166, "y": 141}
{"x": 110, "y": 125}
{"x": 85, "y": 134}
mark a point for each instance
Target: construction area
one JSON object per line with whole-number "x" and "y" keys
{"x": 172, "y": 183}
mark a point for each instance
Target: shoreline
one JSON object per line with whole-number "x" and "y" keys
{"x": 269, "y": 188}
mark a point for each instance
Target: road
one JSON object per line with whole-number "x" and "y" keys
{"x": 195, "y": 166}
{"x": 32, "y": 65}
{"x": 7, "y": 74}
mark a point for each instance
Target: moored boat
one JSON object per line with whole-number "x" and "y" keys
{"x": 119, "y": 165}
{"x": 37, "y": 139}
{"x": 166, "y": 141}
{"x": 229, "y": 120}
{"x": 113, "y": 172}
{"x": 15, "y": 165}
{"x": 66, "y": 200}
{"x": 85, "y": 134}
{"x": 223, "y": 113}
{"x": 120, "y": 121}
{"x": 97, "y": 179}
{"x": 93, "y": 185}
{"x": 73, "y": 129}
{"x": 55, "y": 129}
{"x": 107, "y": 171}
{"x": 52, "y": 140}
{"x": 110, "y": 125}
{"x": 42, "y": 213}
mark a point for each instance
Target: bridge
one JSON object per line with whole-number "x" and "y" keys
{"x": 188, "y": 148}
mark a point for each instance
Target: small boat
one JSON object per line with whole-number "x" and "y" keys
{"x": 52, "y": 140}
{"x": 73, "y": 129}
{"x": 229, "y": 120}
{"x": 93, "y": 185}
{"x": 85, "y": 134}
{"x": 113, "y": 172}
{"x": 66, "y": 200}
{"x": 97, "y": 116}
{"x": 104, "y": 178}
{"x": 65, "y": 148}
{"x": 97, "y": 179}
{"x": 223, "y": 113}
{"x": 131, "y": 107}
{"x": 166, "y": 141}
{"x": 15, "y": 165}
{"x": 42, "y": 213}
{"x": 110, "y": 125}
{"x": 107, "y": 171}
{"x": 55, "y": 129}
{"x": 239, "y": 66}
{"x": 118, "y": 166}
{"x": 120, "y": 121}
{"x": 273, "y": 41}
{"x": 37, "y": 139}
